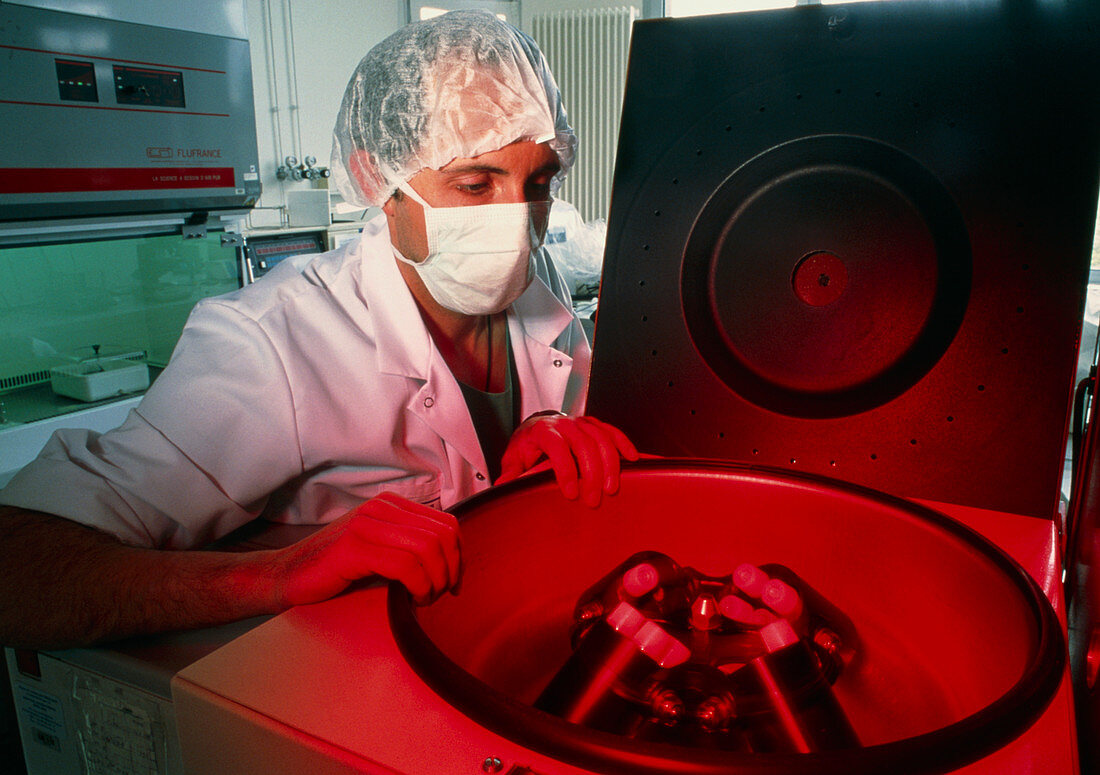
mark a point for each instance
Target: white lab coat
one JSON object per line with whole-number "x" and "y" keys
{"x": 298, "y": 398}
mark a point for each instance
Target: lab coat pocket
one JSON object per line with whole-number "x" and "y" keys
{"x": 322, "y": 498}
{"x": 424, "y": 489}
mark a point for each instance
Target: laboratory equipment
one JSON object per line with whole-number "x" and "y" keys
{"x": 842, "y": 290}
{"x": 129, "y": 162}
{"x": 107, "y": 117}
{"x": 657, "y": 657}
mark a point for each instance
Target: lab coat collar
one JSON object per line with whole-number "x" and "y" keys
{"x": 402, "y": 340}
{"x": 542, "y": 315}
{"x": 405, "y": 348}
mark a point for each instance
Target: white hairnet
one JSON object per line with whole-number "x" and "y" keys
{"x": 456, "y": 86}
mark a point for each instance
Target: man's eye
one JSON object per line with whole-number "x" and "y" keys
{"x": 472, "y": 188}
{"x": 539, "y": 190}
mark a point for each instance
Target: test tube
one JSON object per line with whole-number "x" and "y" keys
{"x": 604, "y": 682}
{"x": 750, "y": 579}
{"x": 785, "y": 701}
{"x": 640, "y": 578}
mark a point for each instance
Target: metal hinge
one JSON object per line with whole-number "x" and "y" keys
{"x": 195, "y": 227}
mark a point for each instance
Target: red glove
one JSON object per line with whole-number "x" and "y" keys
{"x": 387, "y": 536}
{"x": 584, "y": 452}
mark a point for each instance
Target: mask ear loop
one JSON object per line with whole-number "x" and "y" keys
{"x": 405, "y": 188}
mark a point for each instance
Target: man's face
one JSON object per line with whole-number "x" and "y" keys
{"x": 520, "y": 172}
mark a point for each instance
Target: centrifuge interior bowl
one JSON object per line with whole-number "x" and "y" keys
{"x": 958, "y": 651}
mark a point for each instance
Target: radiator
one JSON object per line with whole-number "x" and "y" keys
{"x": 587, "y": 51}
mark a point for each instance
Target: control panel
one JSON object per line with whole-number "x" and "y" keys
{"x": 267, "y": 250}
{"x": 106, "y": 118}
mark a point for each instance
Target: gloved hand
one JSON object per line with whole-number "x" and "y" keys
{"x": 388, "y": 536}
{"x": 583, "y": 451}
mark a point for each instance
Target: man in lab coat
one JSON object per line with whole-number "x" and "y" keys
{"x": 365, "y": 389}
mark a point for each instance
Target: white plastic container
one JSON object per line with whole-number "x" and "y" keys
{"x": 94, "y": 380}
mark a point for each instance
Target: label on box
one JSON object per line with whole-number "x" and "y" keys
{"x": 42, "y": 714}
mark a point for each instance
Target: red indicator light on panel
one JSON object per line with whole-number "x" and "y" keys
{"x": 26, "y": 661}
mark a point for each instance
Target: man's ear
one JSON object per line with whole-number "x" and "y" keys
{"x": 389, "y": 206}
{"x": 363, "y": 169}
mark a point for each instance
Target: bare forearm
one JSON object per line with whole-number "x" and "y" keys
{"x": 63, "y": 584}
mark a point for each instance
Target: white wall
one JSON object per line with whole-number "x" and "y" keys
{"x": 329, "y": 39}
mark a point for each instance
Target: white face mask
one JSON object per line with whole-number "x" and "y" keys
{"x": 480, "y": 257}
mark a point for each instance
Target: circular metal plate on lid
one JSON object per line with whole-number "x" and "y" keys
{"x": 826, "y": 276}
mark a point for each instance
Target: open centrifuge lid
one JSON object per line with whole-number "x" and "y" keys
{"x": 854, "y": 241}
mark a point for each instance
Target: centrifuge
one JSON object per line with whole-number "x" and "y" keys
{"x": 847, "y": 255}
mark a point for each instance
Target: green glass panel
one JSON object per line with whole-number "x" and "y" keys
{"x": 60, "y": 305}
